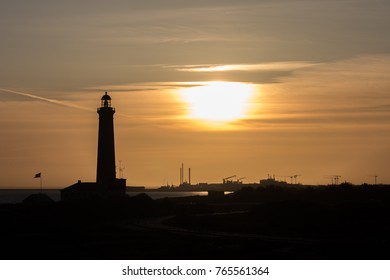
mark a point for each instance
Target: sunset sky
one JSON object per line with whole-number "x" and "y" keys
{"x": 244, "y": 88}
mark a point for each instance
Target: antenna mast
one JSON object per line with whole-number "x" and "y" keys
{"x": 121, "y": 169}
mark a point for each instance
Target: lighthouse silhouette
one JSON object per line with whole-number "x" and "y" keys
{"x": 105, "y": 174}
{"x": 106, "y": 185}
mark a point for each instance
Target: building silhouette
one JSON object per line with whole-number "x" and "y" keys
{"x": 106, "y": 185}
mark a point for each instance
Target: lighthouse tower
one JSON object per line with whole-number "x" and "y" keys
{"x": 106, "y": 185}
{"x": 105, "y": 175}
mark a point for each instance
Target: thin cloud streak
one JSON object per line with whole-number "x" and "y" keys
{"x": 271, "y": 66}
{"x": 47, "y": 100}
{"x": 147, "y": 86}
{"x": 139, "y": 120}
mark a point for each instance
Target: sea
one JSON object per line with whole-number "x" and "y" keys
{"x": 12, "y": 196}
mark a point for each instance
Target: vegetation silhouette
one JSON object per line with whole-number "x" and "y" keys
{"x": 336, "y": 222}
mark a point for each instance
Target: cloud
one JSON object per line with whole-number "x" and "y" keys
{"x": 147, "y": 86}
{"x": 346, "y": 93}
{"x": 270, "y": 66}
{"x": 341, "y": 93}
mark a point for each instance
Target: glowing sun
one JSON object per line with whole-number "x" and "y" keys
{"x": 218, "y": 101}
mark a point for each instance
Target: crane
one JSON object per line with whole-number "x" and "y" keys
{"x": 239, "y": 179}
{"x": 291, "y": 177}
{"x": 225, "y": 180}
{"x": 375, "y": 177}
{"x": 295, "y": 177}
{"x": 334, "y": 179}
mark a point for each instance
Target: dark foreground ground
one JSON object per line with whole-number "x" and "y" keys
{"x": 344, "y": 222}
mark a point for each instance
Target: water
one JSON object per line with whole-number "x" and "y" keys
{"x": 17, "y": 196}
{"x": 158, "y": 195}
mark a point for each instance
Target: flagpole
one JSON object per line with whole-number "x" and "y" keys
{"x": 39, "y": 175}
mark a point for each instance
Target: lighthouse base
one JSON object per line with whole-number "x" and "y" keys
{"x": 92, "y": 190}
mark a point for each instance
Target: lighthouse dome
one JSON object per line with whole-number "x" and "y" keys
{"x": 106, "y": 100}
{"x": 106, "y": 96}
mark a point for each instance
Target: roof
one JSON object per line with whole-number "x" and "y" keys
{"x": 79, "y": 186}
{"x": 106, "y": 96}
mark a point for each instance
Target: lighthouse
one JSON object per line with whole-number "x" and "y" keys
{"x": 105, "y": 174}
{"x": 106, "y": 185}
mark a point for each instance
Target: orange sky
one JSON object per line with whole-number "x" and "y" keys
{"x": 319, "y": 83}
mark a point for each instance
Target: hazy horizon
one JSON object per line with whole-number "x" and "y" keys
{"x": 244, "y": 88}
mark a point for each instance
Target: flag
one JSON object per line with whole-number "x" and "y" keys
{"x": 38, "y": 175}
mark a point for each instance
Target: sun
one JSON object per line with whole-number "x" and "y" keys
{"x": 218, "y": 101}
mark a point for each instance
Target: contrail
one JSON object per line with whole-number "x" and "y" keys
{"x": 47, "y": 100}
{"x": 58, "y": 102}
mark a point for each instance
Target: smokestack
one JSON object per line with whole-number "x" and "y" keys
{"x": 189, "y": 176}
{"x": 180, "y": 177}
{"x": 182, "y": 173}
